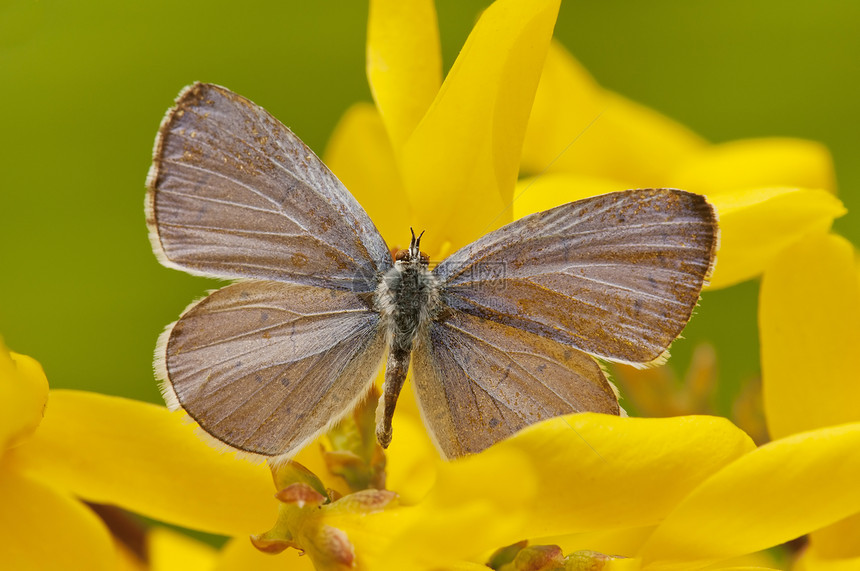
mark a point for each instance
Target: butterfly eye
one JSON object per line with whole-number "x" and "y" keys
{"x": 425, "y": 259}
{"x": 401, "y": 255}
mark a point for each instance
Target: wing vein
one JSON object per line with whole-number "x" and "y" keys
{"x": 223, "y": 175}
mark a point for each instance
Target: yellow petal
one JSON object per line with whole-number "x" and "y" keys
{"x": 600, "y": 452}
{"x": 360, "y": 155}
{"x": 404, "y": 62}
{"x": 43, "y": 529}
{"x": 838, "y": 541}
{"x": 761, "y": 561}
{"x": 771, "y": 495}
{"x": 757, "y": 224}
{"x": 813, "y": 560}
{"x": 460, "y": 164}
{"x": 567, "y": 100}
{"x": 443, "y": 528}
{"x": 239, "y": 555}
{"x": 553, "y": 189}
{"x": 753, "y": 163}
{"x": 146, "y": 459}
{"x": 809, "y": 324}
{"x": 634, "y": 143}
{"x": 622, "y": 565}
{"x": 578, "y": 127}
{"x": 412, "y": 458}
{"x": 173, "y": 551}
{"x": 627, "y": 472}
{"x": 23, "y": 394}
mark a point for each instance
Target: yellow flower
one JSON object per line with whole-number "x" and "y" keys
{"x": 41, "y": 525}
{"x": 668, "y": 493}
{"x": 675, "y": 493}
{"x": 665, "y": 493}
{"x": 409, "y": 159}
{"x": 583, "y": 140}
{"x": 140, "y": 456}
{"x": 442, "y": 157}
{"x": 768, "y": 192}
{"x": 107, "y": 450}
{"x": 809, "y": 322}
{"x": 628, "y": 474}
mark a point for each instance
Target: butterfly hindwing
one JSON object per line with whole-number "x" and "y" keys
{"x": 478, "y": 382}
{"x": 265, "y": 367}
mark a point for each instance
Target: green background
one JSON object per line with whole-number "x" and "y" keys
{"x": 85, "y": 85}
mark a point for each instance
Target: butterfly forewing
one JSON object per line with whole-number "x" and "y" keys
{"x": 616, "y": 276}
{"x": 266, "y": 366}
{"x": 234, "y": 193}
{"x": 478, "y": 382}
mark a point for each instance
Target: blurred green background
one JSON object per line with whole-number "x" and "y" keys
{"x": 85, "y": 85}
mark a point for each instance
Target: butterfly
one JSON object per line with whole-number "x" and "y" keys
{"x": 499, "y": 335}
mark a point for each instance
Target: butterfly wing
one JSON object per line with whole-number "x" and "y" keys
{"x": 266, "y": 367}
{"x": 479, "y": 381}
{"x": 616, "y": 276}
{"x": 263, "y": 366}
{"x": 233, "y": 193}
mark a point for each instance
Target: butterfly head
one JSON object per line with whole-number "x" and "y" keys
{"x": 413, "y": 255}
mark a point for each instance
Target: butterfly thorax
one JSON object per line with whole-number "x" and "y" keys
{"x": 407, "y": 298}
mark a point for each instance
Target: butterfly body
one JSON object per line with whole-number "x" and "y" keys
{"x": 502, "y": 334}
{"x": 408, "y": 299}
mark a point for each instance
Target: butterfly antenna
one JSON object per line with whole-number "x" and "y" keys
{"x": 414, "y": 245}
